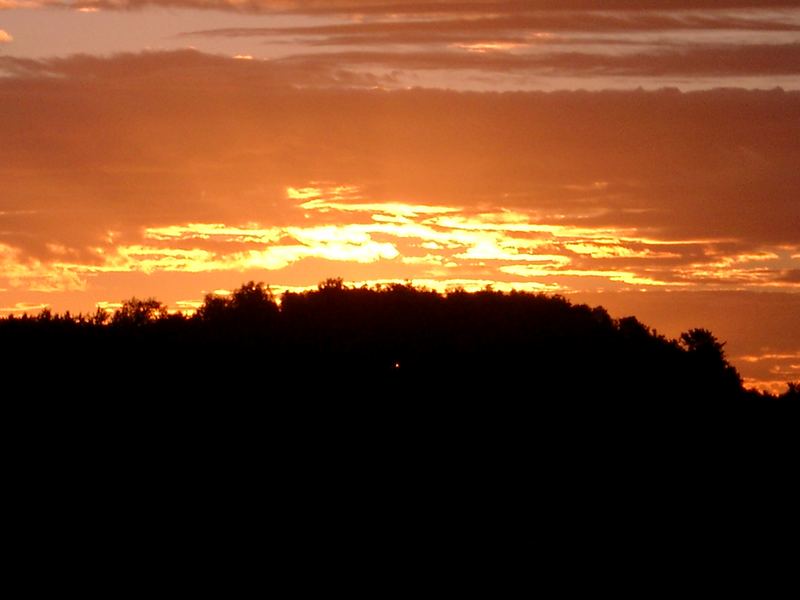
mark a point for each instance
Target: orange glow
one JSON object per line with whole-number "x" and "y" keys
{"x": 433, "y": 237}
{"x": 452, "y": 144}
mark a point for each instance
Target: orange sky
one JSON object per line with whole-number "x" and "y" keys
{"x": 643, "y": 156}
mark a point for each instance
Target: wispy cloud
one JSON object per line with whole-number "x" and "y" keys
{"x": 513, "y": 43}
{"x": 521, "y": 27}
{"x": 768, "y": 59}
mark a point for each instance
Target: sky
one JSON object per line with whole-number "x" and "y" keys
{"x": 641, "y": 155}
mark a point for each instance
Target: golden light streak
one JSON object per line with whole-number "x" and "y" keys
{"x": 731, "y": 268}
{"x": 387, "y": 208}
{"x": 185, "y": 307}
{"x": 435, "y": 238}
{"x": 504, "y": 221}
{"x": 278, "y": 257}
{"x": 329, "y": 234}
{"x": 327, "y": 198}
{"x": 773, "y": 386}
{"x": 489, "y": 249}
{"x": 483, "y": 47}
{"x": 614, "y": 251}
{"x": 108, "y": 306}
{"x": 515, "y": 222}
{"x": 205, "y": 231}
{"x": 335, "y": 192}
{"x": 21, "y": 308}
{"x": 328, "y": 244}
{"x": 617, "y": 276}
{"x": 769, "y": 356}
{"x": 150, "y": 259}
{"x": 429, "y": 259}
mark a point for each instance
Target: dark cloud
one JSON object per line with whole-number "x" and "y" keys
{"x": 494, "y": 26}
{"x": 790, "y": 276}
{"x": 550, "y": 43}
{"x": 730, "y": 60}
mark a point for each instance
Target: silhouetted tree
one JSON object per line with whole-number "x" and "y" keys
{"x": 137, "y": 313}
{"x": 703, "y": 343}
{"x": 99, "y": 317}
{"x": 249, "y": 309}
{"x": 214, "y": 309}
{"x": 253, "y": 301}
{"x": 792, "y": 391}
{"x": 711, "y": 369}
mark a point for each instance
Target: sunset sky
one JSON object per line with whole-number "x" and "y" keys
{"x": 642, "y": 155}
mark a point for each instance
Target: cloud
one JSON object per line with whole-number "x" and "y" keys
{"x": 5, "y": 37}
{"x": 756, "y": 59}
{"x": 790, "y": 276}
{"x": 445, "y": 28}
{"x": 526, "y": 41}
{"x": 516, "y": 44}
{"x": 181, "y": 162}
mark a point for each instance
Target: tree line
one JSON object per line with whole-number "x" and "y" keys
{"x": 392, "y": 340}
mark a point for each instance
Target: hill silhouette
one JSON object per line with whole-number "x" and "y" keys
{"x": 393, "y": 341}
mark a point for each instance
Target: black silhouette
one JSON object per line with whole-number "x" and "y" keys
{"x": 389, "y": 342}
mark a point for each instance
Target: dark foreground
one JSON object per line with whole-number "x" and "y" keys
{"x": 397, "y": 343}
{"x": 389, "y": 407}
